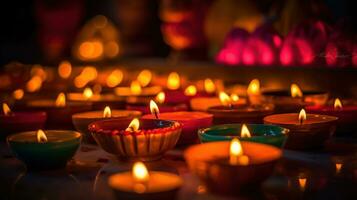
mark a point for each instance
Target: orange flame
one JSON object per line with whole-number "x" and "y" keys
{"x": 61, "y": 100}
{"x": 140, "y": 172}
{"x": 87, "y": 93}
{"x": 338, "y": 167}
{"x": 302, "y": 116}
{"x": 107, "y": 113}
{"x": 302, "y": 183}
{"x": 254, "y": 87}
{"x": 337, "y": 104}
{"x": 295, "y": 91}
{"x": 160, "y": 98}
{"x": 210, "y": 87}
{"x": 154, "y": 109}
{"x": 135, "y": 88}
{"x": 234, "y": 97}
{"x": 245, "y": 132}
{"x": 224, "y": 98}
{"x": 173, "y": 81}
{"x": 236, "y": 153}
{"x": 144, "y": 77}
{"x": 41, "y": 136}
{"x": 134, "y": 125}
{"x": 191, "y": 90}
{"x": 6, "y": 109}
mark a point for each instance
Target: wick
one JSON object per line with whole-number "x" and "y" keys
{"x": 156, "y": 115}
{"x": 301, "y": 121}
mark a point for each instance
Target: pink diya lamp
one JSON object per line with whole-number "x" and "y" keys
{"x": 59, "y": 112}
{"x": 141, "y": 104}
{"x": 191, "y": 122}
{"x": 346, "y": 113}
{"x": 13, "y": 122}
{"x": 307, "y": 131}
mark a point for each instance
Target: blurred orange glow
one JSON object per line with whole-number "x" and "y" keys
{"x": 65, "y": 69}
{"x": 111, "y": 49}
{"x": 115, "y": 78}
{"x": 173, "y": 81}
{"x": 18, "y": 94}
{"x": 135, "y": 88}
{"x": 34, "y": 84}
{"x": 191, "y": 90}
{"x": 144, "y": 77}
{"x": 91, "y": 50}
{"x": 61, "y": 100}
{"x": 210, "y": 87}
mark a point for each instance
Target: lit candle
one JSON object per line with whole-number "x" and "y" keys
{"x": 174, "y": 94}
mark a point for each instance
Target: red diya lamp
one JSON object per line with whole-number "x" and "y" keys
{"x": 346, "y": 113}
{"x": 307, "y": 131}
{"x": 140, "y": 104}
{"x": 191, "y": 122}
{"x": 228, "y": 112}
{"x": 13, "y": 122}
{"x": 137, "y": 90}
{"x": 59, "y": 112}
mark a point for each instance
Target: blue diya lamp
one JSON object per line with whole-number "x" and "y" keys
{"x": 259, "y": 133}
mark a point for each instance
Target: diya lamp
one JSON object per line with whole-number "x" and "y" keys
{"x": 228, "y": 112}
{"x": 59, "y": 111}
{"x": 346, "y": 113}
{"x": 49, "y": 149}
{"x": 140, "y": 183}
{"x": 141, "y": 104}
{"x": 81, "y": 121}
{"x": 204, "y": 103}
{"x": 307, "y": 131}
{"x": 260, "y": 133}
{"x": 13, "y": 122}
{"x": 146, "y": 140}
{"x": 232, "y": 168}
{"x": 137, "y": 90}
{"x": 191, "y": 122}
{"x": 174, "y": 93}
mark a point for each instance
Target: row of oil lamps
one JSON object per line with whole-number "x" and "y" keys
{"x": 230, "y": 157}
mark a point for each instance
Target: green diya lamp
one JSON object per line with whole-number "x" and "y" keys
{"x": 41, "y": 150}
{"x": 259, "y": 133}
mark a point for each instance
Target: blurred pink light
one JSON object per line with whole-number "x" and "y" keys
{"x": 331, "y": 54}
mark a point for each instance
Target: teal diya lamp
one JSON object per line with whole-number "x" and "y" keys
{"x": 259, "y": 133}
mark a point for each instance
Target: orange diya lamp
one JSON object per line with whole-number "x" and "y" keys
{"x": 232, "y": 168}
{"x": 307, "y": 131}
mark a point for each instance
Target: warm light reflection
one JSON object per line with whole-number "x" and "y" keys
{"x": 18, "y": 94}
{"x": 61, "y": 100}
{"x": 6, "y": 109}
{"x": 154, "y": 109}
{"x": 160, "y": 98}
{"x": 236, "y": 156}
{"x": 107, "y": 113}
{"x": 115, "y": 78}
{"x": 41, "y": 136}
{"x": 37, "y": 70}
{"x": 338, "y": 167}
{"x": 224, "y": 98}
{"x": 80, "y": 82}
{"x": 173, "y": 81}
{"x": 65, "y": 69}
{"x": 209, "y": 85}
{"x": 234, "y": 97}
{"x": 89, "y": 73}
{"x": 302, "y": 183}
{"x": 337, "y": 104}
{"x": 191, "y": 90}
{"x": 140, "y": 173}
{"x": 144, "y": 77}
{"x": 34, "y": 84}
{"x": 134, "y": 125}
{"x": 135, "y": 88}
{"x": 302, "y": 116}
{"x": 245, "y": 131}
{"x": 91, "y": 49}
{"x": 111, "y": 49}
{"x": 295, "y": 91}
{"x": 87, "y": 93}
{"x": 254, "y": 87}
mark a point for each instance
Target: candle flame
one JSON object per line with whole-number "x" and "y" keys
{"x": 160, "y": 98}
{"x": 87, "y": 93}
{"x": 234, "y": 97}
{"x": 295, "y": 91}
{"x": 210, "y": 87}
{"x": 302, "y": 183}
{"x": 302, "y": 116}
{"x": 18, "y": 94}
{"x": 144, "y": 77}
{"x": 6, "y": 109}
{"x": 236, "y": 153}
{"x": 191, "y": 90}
{"x": 64, "y": 69}
{"x": 338, "y": 167}
{"x": 173, "y": 81}
{"x": 154, "y": 109}
{"x": 140, "y": 172}
{"x": 134, "y": 125}
{"x": 41, "y": 136}
{"x": 245, "y": 131}
{"x": 61, "y": 100}
{"x": 254, "y": 87}
{"x": 107, "y": 113}
{"x": 337, "y": 104}
{"x": 135, "y": 88}
{"x": 114, "y": 78}
{"x": 224, "y": 98}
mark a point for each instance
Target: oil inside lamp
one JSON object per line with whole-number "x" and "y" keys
{"x": 295, "y": 91}
{"x": 41, "y": 136}
{"x": 236, "y": 156}
{"x": 134, "y": 125}
{"x": 135, "y": 88}
{"x": 144, "y": 77}
{"x": 302, "y": 183}
{"x": 337, "y": 104}
{"x": 6, "y": 109}
{"x": 173, "y": 81}
{"x": 245, "y": 132}
{"x": 107, "y": 113}
{"x": 87, "y": 93}
{"x": 209, "y": 85}
{"x": 254, "y": 87}
{"x": 114, "y": 78}
{"x": 338, "y": 167}
{"x": 225, "y": 99}
{"x": 302, "y": 116}
{"x": 160, "y": 98}
{"x": 18, "y": 94}
{"x": 61, "y": 100}
{"x": 191, "y": 90}
{"x": 154, "y": 109}
{"x": 64, "y": 69}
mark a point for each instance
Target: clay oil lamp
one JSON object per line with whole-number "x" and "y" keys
{"x": 49, "y": 149}
{"x": 191, "y": 122}
{"x": 232, "y": 168}
{"x": 146, "y": 140}
{"x": 204, "y": 103}
{"x": 228, "y": 112}
{"x": 307, "y": 131}
{"x": 59, "y": 112}
{"x": 260, "y": 133}
{"x": 173, "y": 91}
{"x": 98, "y": 101}
{"x": 140, "y": 104}
{"x": 346, "y": 111}
{"x": 140, "y": 183}
{"x": 81, "y": 121}
{"x": 137, "y": 90}
{"x": 13, "y": 122}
